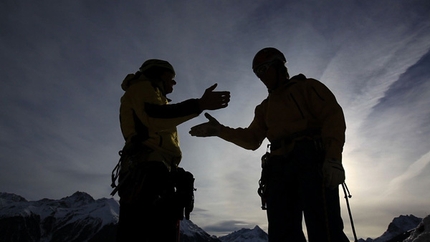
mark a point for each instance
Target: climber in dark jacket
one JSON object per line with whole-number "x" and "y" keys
{"x": 306, "y": 128}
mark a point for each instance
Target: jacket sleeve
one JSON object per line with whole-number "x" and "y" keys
{"x": 328, "y": 112}
{"x": 185, "y": 108}
{"x": 163, "y": 116}
{"x": 251, "y": 137}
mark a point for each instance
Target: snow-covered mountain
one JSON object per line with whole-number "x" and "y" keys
{"x": 77, "y": 218}
{"x": 80, "y": 218}
{"x": 193, "y": 233}
{"x": 400, "y": 229}
{"x": 250, "y": 235}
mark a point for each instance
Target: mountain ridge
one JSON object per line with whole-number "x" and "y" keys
{"x": 81, "y": 218}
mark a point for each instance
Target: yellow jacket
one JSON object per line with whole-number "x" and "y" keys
{"x": 297, "y": 105}
{"x": 145, "y": 112}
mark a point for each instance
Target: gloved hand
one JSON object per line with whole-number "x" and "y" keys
{"x": 212, "y": 100}
{"x": 333, "y": 172}
{"x": 211, "y": 128}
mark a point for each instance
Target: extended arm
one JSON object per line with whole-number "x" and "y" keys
{"x": 248, "y": 138}
{"x": 170, "y": 115}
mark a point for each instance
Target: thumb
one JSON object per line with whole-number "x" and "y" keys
{"x": 211, "y": 88}
{"x": 212, "y": 120}
{"x": 208, "y": 116}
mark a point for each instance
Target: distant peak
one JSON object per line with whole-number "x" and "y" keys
{"x": 11, "y": 197}
{"x": 78, "y": 199}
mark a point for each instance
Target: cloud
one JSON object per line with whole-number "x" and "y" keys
{"x": 226, "y": 227}
{"x": 62, "y": 65}
{"x": 415, "y": 169}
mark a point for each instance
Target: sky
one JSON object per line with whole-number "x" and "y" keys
{"x": 62, "y": 64}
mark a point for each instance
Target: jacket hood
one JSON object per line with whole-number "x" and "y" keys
{"x": 130, "y": 79}
{"x": 126, "y": 83}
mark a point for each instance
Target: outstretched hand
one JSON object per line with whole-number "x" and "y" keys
{"x": 210, "y": 128}
{"x": 212, "y": 100}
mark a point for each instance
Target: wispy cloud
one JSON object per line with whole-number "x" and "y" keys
{"x": 226, "y": 227}
{"x": 414, "y": 170}
{"x": 62, "y": 65}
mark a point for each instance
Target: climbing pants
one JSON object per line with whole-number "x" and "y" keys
{"x": 294, "y": 190}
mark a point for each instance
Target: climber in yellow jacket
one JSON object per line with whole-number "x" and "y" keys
{"x": 148, "y": 124}
{"x": 306, "y": 129}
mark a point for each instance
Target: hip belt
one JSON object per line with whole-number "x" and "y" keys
{"x": 308, "y": 133}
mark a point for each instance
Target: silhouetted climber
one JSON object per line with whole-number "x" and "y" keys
{"x": 301, "y": 174}
{"x": 148, "y": 200}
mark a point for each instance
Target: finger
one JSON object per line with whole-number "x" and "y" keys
{"x": 195, "y": 134}
{"x": 220, "y": 96}
{"x": 198, "y": 126}
{"x": 208, "y": 116}
{"x": 227, "y": 98}
{"x": 198, "y": 131}
{"x": 211, "y": 88}
{"x": 223, "y": 93}
{"x": 195, "y": 131}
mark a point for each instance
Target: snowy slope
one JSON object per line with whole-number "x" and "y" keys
{"x": 192, "y": 233}
{"x": 250, "y": 235}
{"x": 80, "y": 218}
{"x": 398, "y": 230}
{"x": 421, "y": 233}
{"x": 75, "y": 218}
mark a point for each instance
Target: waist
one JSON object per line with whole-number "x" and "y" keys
{"x": 289, "y": 140}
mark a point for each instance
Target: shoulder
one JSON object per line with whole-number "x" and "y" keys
{"x": 299, "y": 77}
{"x": 142, "y": 91}
{"x": 262, "y": 106}
{"x": 141, "y": 85}
{"x": 304, "y": 81}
